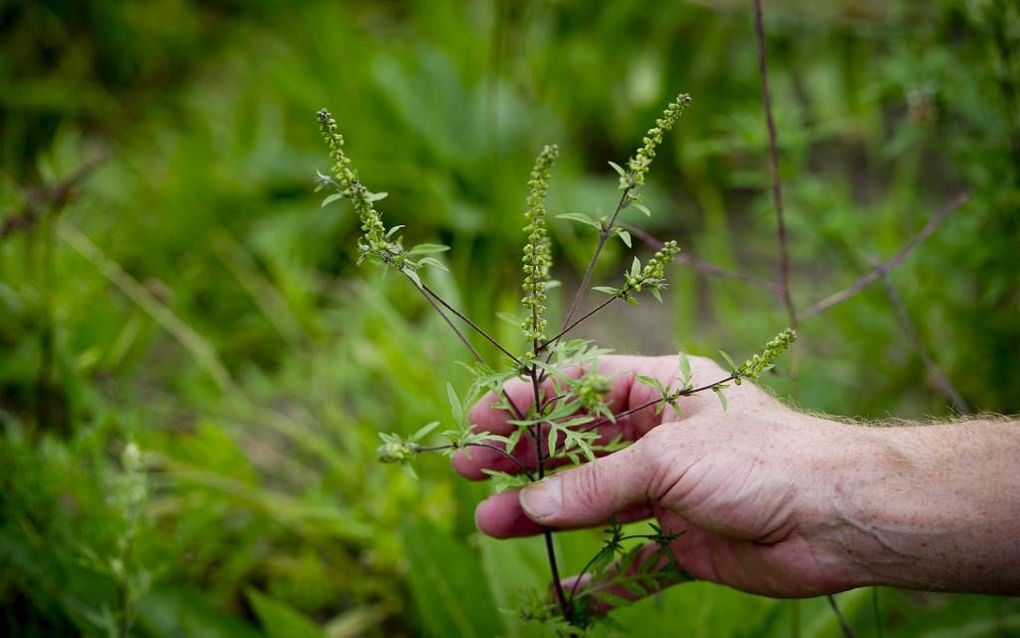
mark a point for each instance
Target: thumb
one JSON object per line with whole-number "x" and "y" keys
{"x": 592, "y": 493}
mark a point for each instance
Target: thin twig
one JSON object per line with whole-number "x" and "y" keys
{"x": 939, "y": 377}
{"x": 573, "y": 325}
{"x": 460, "y": 335}
{"x": 550, "y": 549}
{"x": 48, "y": 199}
{"x": 848, "y": 631}
{"x": 702, "y": 266}
{"x": 881, "y": 269}
{"x": 777, "y": 187}
{"x": 604, "y": 235}
{"x": 463, "y": 338}
{"x": 488, "y": 446}
{"x": 672, "y": 397}
{"x": 470, "y": 323}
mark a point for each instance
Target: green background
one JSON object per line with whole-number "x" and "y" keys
{"x": 196, "y": 299}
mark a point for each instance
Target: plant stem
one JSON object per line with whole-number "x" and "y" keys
{"x": 848, "y": 631}
{"x": 777, "y": 188}
{"x": 488, "y": 446}
{"x": 604, "y": 236}
{"x": 470, "y": 323}
{"x": 573, "y": 325}
{"x": 463, "y": 338}
{"x": 536, "y": 434}
{"x": 460, "y": 335}
{"x": 588, "y": 565}
{"x": 934, "y": 371}
{"x": 644, "y": 406}
{"x": 883, "y": 268}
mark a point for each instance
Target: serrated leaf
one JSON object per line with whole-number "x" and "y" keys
{"x": 330, "y": 199}
{"x": 729, "y": 361}
{"x": 619, "y": 169}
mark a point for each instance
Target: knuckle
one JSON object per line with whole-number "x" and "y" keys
{"x": 589, "y": 483}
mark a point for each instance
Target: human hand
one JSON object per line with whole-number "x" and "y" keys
{"x": 751, "y": 487}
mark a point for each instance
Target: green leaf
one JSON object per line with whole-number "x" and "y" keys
{"x": 279, "y": 620}
{"x": 624, "y": 237}
{"x": 424, "y": 431}
{"x": 428, "y": 249}
{"x": 447, "y": 584}
{"x": 455, "y": 406}
{"x": 685, "y": 368}
{"x": 581, "y": 218}
{"x": 432, "y": 261}
{"x": 377, "y": 197}
{"x": 651, "y": 382}
{"x": 330, "y": 199}
{"x": 722, "y": 396}
{"x": 503, "y": 481}
{"x": 413, "y": 276}
{"x": 635, "y": 268}
{"x": 389, "y": 233}
{"x": 729, "y": 361}
{"x": 609, "y": 290}
{"x": 619, "y": 169}
{"x": 641, "y": 207}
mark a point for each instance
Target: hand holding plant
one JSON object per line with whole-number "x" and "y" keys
{"x": 559, "y": 408}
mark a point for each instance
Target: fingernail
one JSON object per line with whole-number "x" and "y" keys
{"x": 543, "y": 499}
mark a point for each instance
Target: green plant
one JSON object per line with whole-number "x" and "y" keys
{"x": 568, "y": 392}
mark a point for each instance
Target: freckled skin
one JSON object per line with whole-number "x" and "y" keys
{"x": 776, "y": 502}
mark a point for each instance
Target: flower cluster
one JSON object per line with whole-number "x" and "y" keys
{"x": 639, "y": 164}
{"x": 760, "y": 363}
{"x": 374, "y": 238}
{"x": 654, "y": 272}
{"x": 537, "y": 258}
{"x": 591, "y": 390}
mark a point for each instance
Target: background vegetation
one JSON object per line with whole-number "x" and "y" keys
{"x": 194, "y": 298}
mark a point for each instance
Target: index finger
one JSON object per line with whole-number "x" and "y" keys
{"x": 624, "y": 393}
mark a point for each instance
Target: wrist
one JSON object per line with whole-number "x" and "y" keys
{"x": 928, "y": 507}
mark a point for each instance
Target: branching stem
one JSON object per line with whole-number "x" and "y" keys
{"x": 607, "y": 232}
{"x": 562, "y": 333}
{"x": 671, "y": 397}
{"x": 470, "y": 323}
{"x": 488, "y": 446}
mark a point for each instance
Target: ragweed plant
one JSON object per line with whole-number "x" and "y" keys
{"x": 568, "y": 392}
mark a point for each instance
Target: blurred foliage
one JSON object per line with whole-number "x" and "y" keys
{"x": 195, "y": 298}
